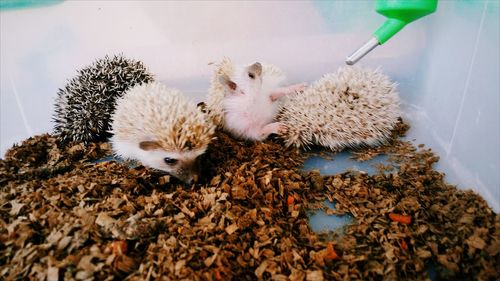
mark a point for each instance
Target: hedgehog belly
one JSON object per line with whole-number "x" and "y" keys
{"x": 243, "y": 119}
{"x": 352, "y": 107}
{"x": 218, "y": 108}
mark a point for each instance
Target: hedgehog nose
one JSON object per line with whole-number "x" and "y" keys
{"x": 191, "y": 179}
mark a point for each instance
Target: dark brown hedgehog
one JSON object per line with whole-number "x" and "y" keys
{"x": 84, "y": 106}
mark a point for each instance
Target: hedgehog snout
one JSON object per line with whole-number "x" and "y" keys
{"x": 191, "y": 179}
{"x": 188, "y": 172}
{"x": 186, "y": 168}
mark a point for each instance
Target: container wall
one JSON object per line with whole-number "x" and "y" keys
{"x": 446, "y": 64}
{"x": 458, "y": 105}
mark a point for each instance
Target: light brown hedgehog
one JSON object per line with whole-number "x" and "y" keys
{"x": 162, "y": 129}
{"x": 353, "y": 107}
{"x": 244, "y": 99}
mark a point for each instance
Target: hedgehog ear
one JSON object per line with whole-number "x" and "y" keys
{"x": 149, "y": 145}
{"x": 224, "y": 80}
{"x": 255, "y": 70}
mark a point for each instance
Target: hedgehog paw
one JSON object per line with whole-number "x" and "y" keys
{"x": 272, "y": 128}
{"x": 280, "y": 92}
{"x": 299, "y": 88}
{"x": 282, "y": 129}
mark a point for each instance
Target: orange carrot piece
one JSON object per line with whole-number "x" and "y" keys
{"x": 217, "y": 274}
{"x": 404, "y": 246}
{"x": 119, "y": 247}
{"x": 330, "y": 252}
{"x": 404, "y": 219}
{"x": 290, "y": 200}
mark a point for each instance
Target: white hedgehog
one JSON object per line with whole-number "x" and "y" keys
{"x": 243, "y": 99}
{"x": 352, "y": 107}
{"x": 160, "y": 128}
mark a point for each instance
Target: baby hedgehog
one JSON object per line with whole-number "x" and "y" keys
{"x": 84, "y": 106}
{"x": 243, "y": 100}
{"x": 353, "y": 107}
{"x": 160, "y": 128}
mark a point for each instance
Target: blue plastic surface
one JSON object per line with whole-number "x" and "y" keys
{"x": 335, "y": 164}
{"x": 321, "y": 222}
{"x": 343, "y": 162}
{"x": 23, "y": 4}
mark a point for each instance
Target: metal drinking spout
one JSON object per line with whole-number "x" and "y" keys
{"x": 361, "y": 52}
{"x": 399, "y": 13}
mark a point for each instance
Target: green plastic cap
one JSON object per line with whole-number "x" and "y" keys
{"x": 399, "y": 13}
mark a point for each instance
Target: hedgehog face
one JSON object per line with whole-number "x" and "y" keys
{"x": 183, "y": 165}
{"x": 247, "y": 80}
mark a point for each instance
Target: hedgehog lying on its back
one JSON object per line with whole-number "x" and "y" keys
{"x": 160, "y": 128}
{"x": 243, "y": 99}
{"x": 350, "y": 108}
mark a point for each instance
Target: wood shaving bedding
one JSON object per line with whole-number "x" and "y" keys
{"x": 64, "y": 216}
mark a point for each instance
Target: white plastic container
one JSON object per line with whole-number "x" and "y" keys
{"x": 446, "y": 64}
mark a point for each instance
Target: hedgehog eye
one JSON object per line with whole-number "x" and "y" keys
{"x": 251, "y": 75}
{"x": 170, "y": 161}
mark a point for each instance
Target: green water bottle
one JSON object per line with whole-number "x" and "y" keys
{"x": 399, "y": 13}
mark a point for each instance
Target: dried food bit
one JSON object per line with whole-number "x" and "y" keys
{"x": 404, "y": 219}
{"x": 290, "y": 200}
{"x": 164, "y": 180}
{"x": 330, "y": 253}
{"x": 314, "y": 275}
{"x": 125, "y": 264}
{"x": 231, "y": 228}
